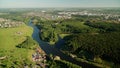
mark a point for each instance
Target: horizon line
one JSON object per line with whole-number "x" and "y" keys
{"x": 60, "y": 7}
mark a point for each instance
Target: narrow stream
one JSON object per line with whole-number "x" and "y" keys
{"x": 54, "y": 51}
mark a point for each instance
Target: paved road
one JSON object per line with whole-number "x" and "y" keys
{"x": 52, "y": 50}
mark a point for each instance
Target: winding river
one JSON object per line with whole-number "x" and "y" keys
{"x": 54, "y": 51}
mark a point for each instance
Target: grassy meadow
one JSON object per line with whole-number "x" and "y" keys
{"x": 9, "y": 38}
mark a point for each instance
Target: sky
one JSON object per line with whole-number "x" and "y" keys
{"x": 58, "y": 3}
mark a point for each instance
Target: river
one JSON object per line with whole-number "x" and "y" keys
{"x": 54, "y": 51}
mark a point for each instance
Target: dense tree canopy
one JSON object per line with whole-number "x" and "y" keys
{"x": 29, "y": 43}
{"x": 98, "y": 44}
{"x": 106, "y": 27}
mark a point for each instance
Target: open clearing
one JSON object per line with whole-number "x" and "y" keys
{"x": 10, "y": 37}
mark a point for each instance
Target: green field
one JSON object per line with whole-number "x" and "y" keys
{"x": 9, "y": 38}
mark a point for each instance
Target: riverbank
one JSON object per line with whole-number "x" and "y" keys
{"x": 56, "y": 52}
